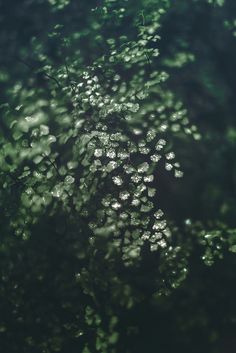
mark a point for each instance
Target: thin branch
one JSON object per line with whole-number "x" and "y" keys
{"x": 43, "y": 72}
{"x": 69, "y": 77}
{"x": 53, "y": 164}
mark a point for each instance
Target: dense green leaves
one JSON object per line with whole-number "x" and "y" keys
{"x": 102, "y": 105}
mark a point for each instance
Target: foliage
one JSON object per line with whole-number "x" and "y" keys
{"x": 93, "y": 117}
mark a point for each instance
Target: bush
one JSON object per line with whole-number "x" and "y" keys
{"x": 105, "y": 106}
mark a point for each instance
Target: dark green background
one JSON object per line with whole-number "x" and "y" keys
{"x": 199, "y": 317}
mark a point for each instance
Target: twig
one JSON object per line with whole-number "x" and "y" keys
{"x": 43, "y": 72}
